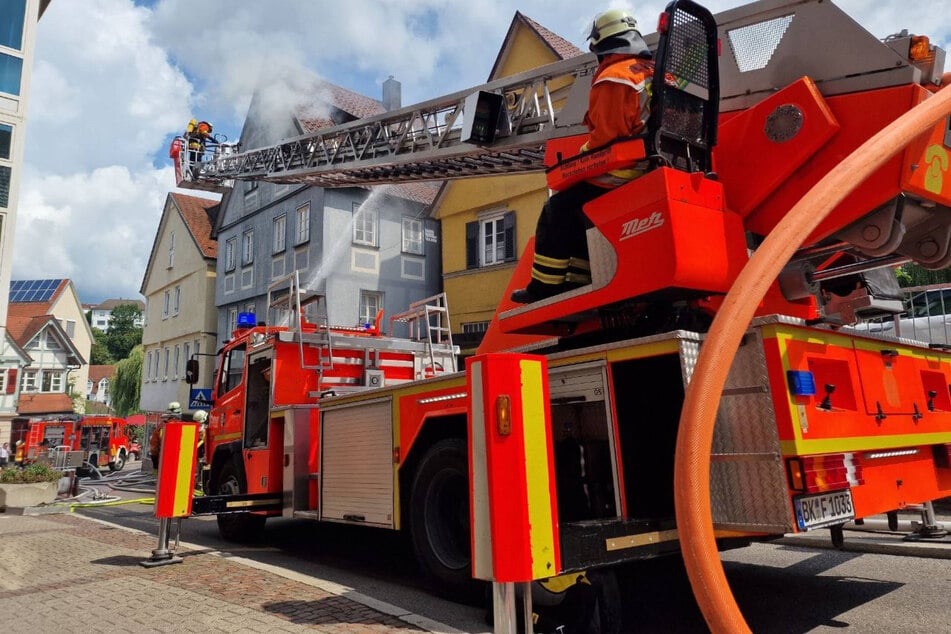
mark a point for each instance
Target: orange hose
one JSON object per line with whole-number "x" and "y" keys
{"x": 695, "y": 438}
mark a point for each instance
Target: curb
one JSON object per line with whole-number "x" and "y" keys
{"x": 411, "y": 618}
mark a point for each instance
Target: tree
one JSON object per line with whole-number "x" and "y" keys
{"x": 127, "y": 385}
{"x": 123, "y": 334}
{"x": 99, "y": 353}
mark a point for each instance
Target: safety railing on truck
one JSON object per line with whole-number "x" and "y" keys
{"x": 926, "y": 317}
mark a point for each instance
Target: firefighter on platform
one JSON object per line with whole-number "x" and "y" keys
{"x": 197, "y": 136}
{"x": 617, "y": 108}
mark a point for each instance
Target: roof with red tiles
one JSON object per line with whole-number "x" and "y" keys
{"x": 559, "y": 46}
{"x": 199, "y": 215}
{"x": 312, "y": 115}
{"x": 44, "y": 403}
{"x": 98, "y": 372}
{"x": 23, "y": 327}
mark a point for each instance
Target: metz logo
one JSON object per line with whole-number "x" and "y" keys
{"x": 638, "y": 226}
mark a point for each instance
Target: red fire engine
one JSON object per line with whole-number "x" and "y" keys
{"x": 558, "y": 455}
{"x": 102, "y": 439}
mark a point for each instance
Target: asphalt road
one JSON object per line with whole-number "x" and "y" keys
{"x": 779, "y": 588}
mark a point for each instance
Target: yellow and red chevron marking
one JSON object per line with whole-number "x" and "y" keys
{"x": 176, "y": 475}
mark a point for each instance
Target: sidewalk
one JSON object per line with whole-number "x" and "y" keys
{"x": 67, "y": 573}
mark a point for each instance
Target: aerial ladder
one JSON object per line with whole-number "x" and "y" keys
{"x": 736, "y": 142}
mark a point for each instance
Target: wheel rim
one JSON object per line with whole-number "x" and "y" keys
{"x": 447, "y": 518}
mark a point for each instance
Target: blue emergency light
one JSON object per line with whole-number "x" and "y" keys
{"x": 801, "y": 382}
{"x": 247, "y": 320}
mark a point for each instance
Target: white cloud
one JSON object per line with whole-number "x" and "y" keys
{"x": 94, "y": 227}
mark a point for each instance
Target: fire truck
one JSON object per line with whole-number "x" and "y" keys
{"x": 102, "y": 439}
{"x": 561, "y": 454}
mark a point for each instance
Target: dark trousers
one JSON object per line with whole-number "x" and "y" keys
{"x": 561, "y": 246}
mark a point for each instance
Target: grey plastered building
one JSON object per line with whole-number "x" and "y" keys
{"x": 363, "y": 249}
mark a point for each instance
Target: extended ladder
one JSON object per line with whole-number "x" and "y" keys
{"x": 498, "y": 128}
{"x": 285, "y": 294}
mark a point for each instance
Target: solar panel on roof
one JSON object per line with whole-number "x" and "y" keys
{"x": 33, "y": 290}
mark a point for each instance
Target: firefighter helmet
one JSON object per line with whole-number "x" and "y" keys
{"x": 200, "y": 416}
{"x": 609, "y": 24}
{"x": 174, "y": 408}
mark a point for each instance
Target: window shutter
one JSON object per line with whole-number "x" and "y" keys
{"x": 472, "y": 245}
{"x": 508, "y": 223}
{"x": 11, "y": 380}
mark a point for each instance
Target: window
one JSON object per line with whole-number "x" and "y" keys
{"x": 29, "y": 381}
{"x": 232, "y": 370}
{"x": 5, "y": 175}
{"x": 148, "y": 366}
{"x": 364, "y": 225}
{"x": 490, "y": 240}
{"x": 171, "y": 251}
{"x": 12, "y": 15}
{"x": 303, "y": 224}
{"x": 370, "y": 304}
{"x": 230, "y": 252}
{"x": 71, "y": 328}
{"x": 250, "y": 194}
{"x": 51, "y": 381}
{"x": 52, "y": 343}
{"x": 178, "y": 360}
{"x": 6, "y": 140}
{"x": 165, "y": 306}
{"x": 412, "y": 235}
{"x": 279, "y": 233}
{"x": 167, "y": 358}
{"x": 186, "y": 351}
{"x": 475, "y": 326}
{"x": 247, "y": 247}
{"x": 232, "y": 320}
{"x": 11, "y": 69}
{"x": 178, "y": 300}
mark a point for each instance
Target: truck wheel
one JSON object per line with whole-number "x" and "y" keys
{"x": 237, "y": 527}
{"x": 439, "y": 520}
{"x": 118, "y": 463}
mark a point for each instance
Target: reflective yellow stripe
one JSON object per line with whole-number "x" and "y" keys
{"x": 553, "y": 263}
{"x": 183, "y": 481}
{"x": 545, "y": 278}
{"x": 861, "y": 443}
{"x": 579, "y": 263}
{"x": 537, "y": 482}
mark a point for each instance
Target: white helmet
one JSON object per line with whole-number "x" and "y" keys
{"x": 174, "y": 408}
{"x": 615, "y": 31}
{"x": 200, "y": 416}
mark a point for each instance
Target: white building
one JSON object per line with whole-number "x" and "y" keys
{"x": 102, "y": 313}
{"x": 17, "y": 38}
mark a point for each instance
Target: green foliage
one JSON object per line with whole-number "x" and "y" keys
{"x": 914, "y": 275}
{"x": 30, "y": 474}
{"x": 123, "y": 334}
{"x": 99, "y": 353}
{"x": 127, "y": 385}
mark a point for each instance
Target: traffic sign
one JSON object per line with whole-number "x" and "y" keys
{"x": 200, "y": 398}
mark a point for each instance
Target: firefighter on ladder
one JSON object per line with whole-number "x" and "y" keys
{"x": 617, "y": 108}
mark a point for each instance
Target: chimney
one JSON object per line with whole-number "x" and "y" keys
{"x": 391, "y": 94}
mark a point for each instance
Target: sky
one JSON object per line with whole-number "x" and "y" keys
{"x": 115, "y": 80}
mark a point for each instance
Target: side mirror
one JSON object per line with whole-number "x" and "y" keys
{"x": 191, "y": 371}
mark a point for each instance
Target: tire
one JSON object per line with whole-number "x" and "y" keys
{"x": 237, "y": 527}
{"x": 439, "y": 521}
{"x": 118, "y": 462}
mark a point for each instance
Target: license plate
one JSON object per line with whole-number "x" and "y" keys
{"x": 825, "y": 509}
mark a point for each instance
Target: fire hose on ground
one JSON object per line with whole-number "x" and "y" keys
{"x": 695, "y": 439}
